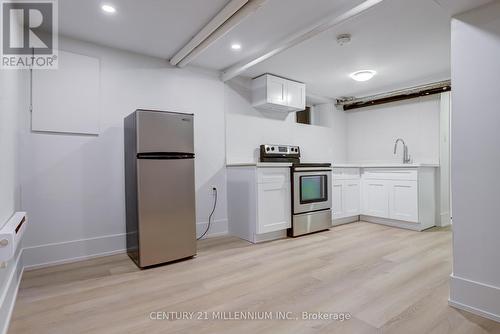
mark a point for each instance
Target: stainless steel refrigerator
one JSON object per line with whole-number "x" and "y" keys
{"x": 159, "y": 187}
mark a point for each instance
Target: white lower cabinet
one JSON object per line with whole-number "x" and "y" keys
{"x": 273, "y": 206}
{"x": 403, "y": 200}
{"x": 401, "y": 197}
{"x": 352, "y": 197}
{"x": 345, "y": 193}
{"x": 259, "y": 202}
{"x": 375, "y": 198}
{"x": 390, "y": 199}
{"x": 338, "y": 199}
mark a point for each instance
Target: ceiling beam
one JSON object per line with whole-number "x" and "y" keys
{"x": 232, "y": 7}
{"x": 298, "y": 38}
{"x": 217, "y": 29}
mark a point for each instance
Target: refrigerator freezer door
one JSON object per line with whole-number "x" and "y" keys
{"x": 164, "y": 132}
{"x": 167, "y": 219}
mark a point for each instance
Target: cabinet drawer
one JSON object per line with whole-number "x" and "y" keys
{"x": 346, "y": 174}
{"x": 273, "y": 175}
{"x": 390, "y": 174}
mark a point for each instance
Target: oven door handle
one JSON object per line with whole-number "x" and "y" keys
{"x": 312, "y": 169}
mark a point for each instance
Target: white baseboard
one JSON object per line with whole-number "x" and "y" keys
{"x": 73, "y": 251}
{"x": 8, "y": 294}
{"x": 445, "y": 219}
{"x": 345, "y": 220}
{"x": 394, "y": 223}
{"x": 269, "y": 236}
{"x": 475, "y": 297}
{"x": 217, "y": 228}
{"x": 83, "y": 249}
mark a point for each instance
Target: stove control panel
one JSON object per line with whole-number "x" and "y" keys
{"x": 279, "y": 153}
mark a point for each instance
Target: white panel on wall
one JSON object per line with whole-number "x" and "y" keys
{"x": 67, "y": 99}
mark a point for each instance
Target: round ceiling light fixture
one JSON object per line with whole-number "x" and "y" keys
{"x": 108, "y": 9}
{"x": 363, "y": 75}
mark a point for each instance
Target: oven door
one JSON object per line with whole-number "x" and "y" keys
{"x": 311, "y": 189}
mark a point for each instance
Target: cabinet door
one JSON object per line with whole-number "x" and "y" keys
{"x": 276, "y": 90}
{"x": 338, "y": 200}
{"x": 296, "y": 95}
{"x": 351, "y": 198}
{"x": 274, "y": 213}
{"x": 375, "y": 198}
{"x": 273, "y": 200}
{"x": 403, "y": 201}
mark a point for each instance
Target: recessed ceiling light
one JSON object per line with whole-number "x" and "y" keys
{"x": 363, "y": 75}
{"x": 108, "y": 9}
{"x": 236, "y": 46}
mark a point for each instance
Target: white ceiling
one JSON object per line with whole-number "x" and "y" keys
{"x": 454, "y": 7}
{"x": 268, "y": 26}
{"x": 152, "y": 27}
{"x": 406, "y": 41}
{"x": 162, "y": 27}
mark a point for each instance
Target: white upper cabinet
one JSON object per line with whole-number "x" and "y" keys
{"x": 276, "y": 90}
{"x": 296, "y": 95}
{"x": 270, "y": 92}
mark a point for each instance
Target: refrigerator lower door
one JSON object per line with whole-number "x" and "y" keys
{"x": 166, "y": 210}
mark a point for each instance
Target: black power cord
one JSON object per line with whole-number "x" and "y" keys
{"x": 211, "y": 214}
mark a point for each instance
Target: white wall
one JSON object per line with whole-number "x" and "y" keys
{"x": 13, "y": 93}
{"x": 371, "y": 131}
{"x": 475, "y": 283}
{"x": 9, "y": 111}
{"x": 444, "y": 179}
{"x": 73, "y": 185}
{"x": 247, "y": 128}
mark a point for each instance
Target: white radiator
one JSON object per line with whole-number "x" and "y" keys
{"x": 11, "y": 236}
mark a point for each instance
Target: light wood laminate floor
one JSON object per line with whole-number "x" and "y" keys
{"x": 390, "y": 280}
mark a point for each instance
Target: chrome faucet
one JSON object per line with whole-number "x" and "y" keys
{"x": 406, "y": 156}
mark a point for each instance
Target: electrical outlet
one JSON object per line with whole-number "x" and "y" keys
{"x": 212, "y": 190}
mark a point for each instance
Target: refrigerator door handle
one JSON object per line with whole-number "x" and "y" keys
{"x": 165, "y": 155}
